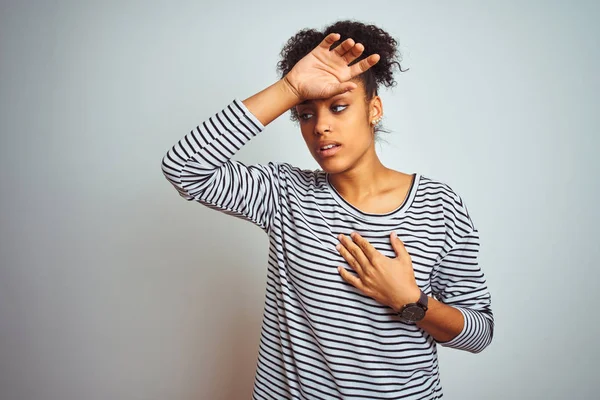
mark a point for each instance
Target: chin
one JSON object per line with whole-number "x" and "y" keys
{"x": 333, "y": 168}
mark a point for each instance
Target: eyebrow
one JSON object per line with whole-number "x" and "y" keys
{"x": 305, "y": 102}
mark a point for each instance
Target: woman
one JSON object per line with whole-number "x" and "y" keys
{"x": 368, "y": 267}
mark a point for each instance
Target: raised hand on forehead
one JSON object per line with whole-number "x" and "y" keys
{"x": 324, "y": 73}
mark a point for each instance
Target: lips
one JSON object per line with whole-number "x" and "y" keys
{"x": 327, "y": 149}
{"x": 327, "y": 143}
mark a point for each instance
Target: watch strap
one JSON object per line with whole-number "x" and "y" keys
{"x": 423, "y": 300}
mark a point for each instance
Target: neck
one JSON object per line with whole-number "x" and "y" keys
{"x": 362, "y": 180}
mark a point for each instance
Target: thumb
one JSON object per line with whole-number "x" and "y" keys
{"x": 397, "y": 245}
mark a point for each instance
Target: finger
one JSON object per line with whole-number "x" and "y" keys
{"x": 366, "y": 247}
{"x": 354, "y": 53}
{"x": 343, "y": 88}
{"x": 329, "y": 40}
{"x": 344, "y": 47}
{"x": 364, "y": 65}
{"x": 350, "y": 259}
{"x": 351, "y": 279}
{"x": 356, "y": 252}
{"x": 398, "y": 246}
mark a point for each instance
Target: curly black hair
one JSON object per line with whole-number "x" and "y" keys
{"x": 374, "y": 39}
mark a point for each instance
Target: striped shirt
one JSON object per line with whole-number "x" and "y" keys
{"x": 321, "y": 338}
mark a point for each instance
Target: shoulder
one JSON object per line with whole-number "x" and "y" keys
{"x": 456, "y": 212}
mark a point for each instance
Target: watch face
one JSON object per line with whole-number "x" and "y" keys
{"x": 413, "y": 313}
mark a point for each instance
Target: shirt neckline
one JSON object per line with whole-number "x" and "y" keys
{"x": 375, "y": 216}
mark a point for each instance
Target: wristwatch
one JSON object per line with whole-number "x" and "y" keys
{"x": 414, "y": 312}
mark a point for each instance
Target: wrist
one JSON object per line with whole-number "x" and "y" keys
{"x": 415, "y": 311}
{"x": 290, "y": 89}
{"x": 271, "y": 102}
{"x": 411, "y": 296}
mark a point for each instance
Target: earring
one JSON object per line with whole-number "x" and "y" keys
{"x": 376, "y": 121}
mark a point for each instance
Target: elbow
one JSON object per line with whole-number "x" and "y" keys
{"x": 173, "y": 174}
{"x": 168, "y": 166}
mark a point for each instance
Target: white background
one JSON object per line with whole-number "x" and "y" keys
{"x": 113, "y": 287}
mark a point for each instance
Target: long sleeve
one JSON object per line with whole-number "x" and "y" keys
{"x": 459, "y": 282}
{"x": 200, "y": 167}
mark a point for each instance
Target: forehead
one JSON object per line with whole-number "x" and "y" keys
{"x": 357, "y": 93}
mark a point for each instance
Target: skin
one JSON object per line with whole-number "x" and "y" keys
{"x": 355, "y": 171}
{"x": 330, "y": 101}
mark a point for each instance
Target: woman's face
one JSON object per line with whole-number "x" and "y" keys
{"x": 342, "y": 121}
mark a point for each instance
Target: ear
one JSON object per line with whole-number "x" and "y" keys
{"x": 375, "y": 110}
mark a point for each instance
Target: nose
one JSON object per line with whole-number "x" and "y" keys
{"x": 322, "y": 125}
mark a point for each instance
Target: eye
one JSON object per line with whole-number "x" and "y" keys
{"x": 339, "y": 108}
{"x": 304, "y": 116}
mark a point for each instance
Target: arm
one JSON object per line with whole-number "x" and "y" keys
{"x": 460, "y": 315}
{"x": 273, "y": 101}
{"x": 200, "y": 165}
{"x": 460, "y": 288}
{"x": 442, "y": 321}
